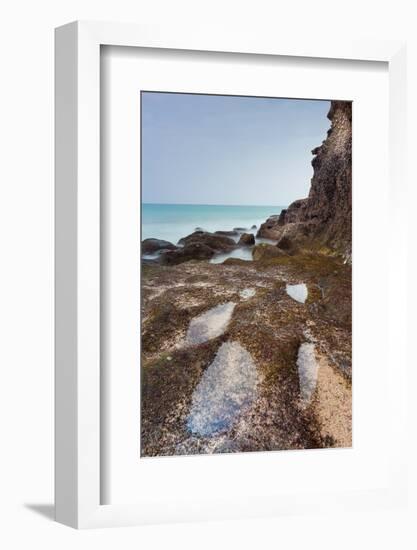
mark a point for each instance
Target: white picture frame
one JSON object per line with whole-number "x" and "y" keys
{"x": 78, "y": 405}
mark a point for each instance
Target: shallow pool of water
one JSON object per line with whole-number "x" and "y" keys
{"x": 298, "y": 292}
{"x": 209, "y": 324}
{"x": 226, "y": 389}
{"x": 242, "y": 253}
{"x": 307, "y": 371}
{"x": 247, "y": 293}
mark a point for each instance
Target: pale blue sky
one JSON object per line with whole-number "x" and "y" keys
{"x": 202, "y": 149}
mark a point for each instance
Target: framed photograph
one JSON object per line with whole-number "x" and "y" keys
{"x": 229, "y": 330}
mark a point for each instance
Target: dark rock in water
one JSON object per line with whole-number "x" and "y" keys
{"x": 246, "y": 239}
{"x": 239, "y": 229}
{"x": 324, "y": 219}
{"x": 200, "y": 245}
{"x": 218, "y": 243}
{"x": 265, "y": 251}
{"x": 192, "y": 251}
{"x": 253, "y": 227}
{"x": 226, "y": 233}
{"x": 150, "y": 246}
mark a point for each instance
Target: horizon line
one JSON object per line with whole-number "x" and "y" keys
{"x": 205, "y": 204}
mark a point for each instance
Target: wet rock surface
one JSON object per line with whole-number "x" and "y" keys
{"x": 218, "y": 243}
{"x": 246, "y": 239}
{"x": 200, "y": 245}
{"x": 151, "y": 246}
{"x": 194, "y": 399}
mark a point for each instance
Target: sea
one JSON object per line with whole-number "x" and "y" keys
{"x": 171, "y": 222}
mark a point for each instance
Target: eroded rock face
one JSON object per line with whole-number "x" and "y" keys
{"x": 285, "y": 243}
{"x": 270, "y": 228}
{"x": 323, "y": 219}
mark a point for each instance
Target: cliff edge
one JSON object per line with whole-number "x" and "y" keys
{"x": 323, "y": 221}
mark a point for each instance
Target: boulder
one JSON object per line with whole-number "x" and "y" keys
{"x": 151, "y": 246}
{"x": 193, "y": 251}
{"x": 218, "y": 243}
{"x": 253, "y": 227}
{"x": 246, "y": 239}
{"x": 239, "y": 229}
{"x": 265, "y": 251}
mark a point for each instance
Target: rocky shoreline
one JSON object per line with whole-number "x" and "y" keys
{"x": 201, "y": 245}
{"x": 254, "y": 354}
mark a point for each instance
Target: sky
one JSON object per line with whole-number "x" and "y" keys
{"x": 206, "y": 149}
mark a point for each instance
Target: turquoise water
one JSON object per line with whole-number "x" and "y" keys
{"x": 171, "y": 222}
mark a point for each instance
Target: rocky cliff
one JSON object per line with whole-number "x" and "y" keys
{"x": 323, "y": 221}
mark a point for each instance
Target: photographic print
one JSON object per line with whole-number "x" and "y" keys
{"x": 246, "y": 262}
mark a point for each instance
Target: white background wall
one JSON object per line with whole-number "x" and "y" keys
{"x": 26, "y": 256}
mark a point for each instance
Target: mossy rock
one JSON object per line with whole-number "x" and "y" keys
{"x": 266, "y": 251}
{"x": 310, "y": 265}
{"x": 164, "y": 320}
